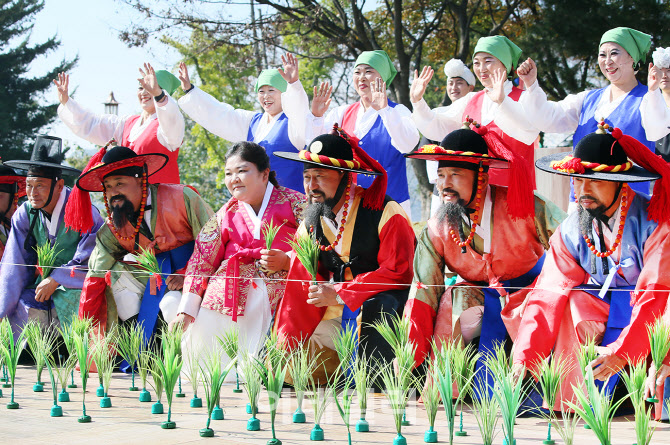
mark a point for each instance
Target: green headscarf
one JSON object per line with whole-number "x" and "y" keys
{"x": 380, "y": 61}
{"x": 501, "y": 48}
{"x": 636, "y": 43}
{"x": 273, "y": 78}
{"x": 167, "y": 81}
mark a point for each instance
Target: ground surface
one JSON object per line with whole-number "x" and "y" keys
{"x": 129, "y": 421}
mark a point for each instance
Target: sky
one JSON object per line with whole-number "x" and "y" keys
{"x": 89, "y": 29}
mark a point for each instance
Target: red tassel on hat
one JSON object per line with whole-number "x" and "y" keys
{"x": 520, "y": 198}
{"x": 659, "y": 206}
{"x": 375, "y": 194}
{"x": 78, "y": 215}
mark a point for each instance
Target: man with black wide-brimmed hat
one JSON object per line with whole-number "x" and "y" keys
{"x": 366, "y": 249}
{"x": 12, "y": 187}
{"x": 162, "y": 218}
{"x": 493, "y": 237}
{"x": 605, "y": 276}
{"x": 27, "y": 289}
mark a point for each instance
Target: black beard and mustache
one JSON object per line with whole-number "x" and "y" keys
{"x": 123, "y": 213}
{"x": 314, "y": 211}
{"x": 451, "y": 212}
{"x": 586, "y": 217}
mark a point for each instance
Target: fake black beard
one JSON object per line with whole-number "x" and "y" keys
{"x": 314, "y": 212}
{"x": 122, "y": 214}
{"x": 586, "y": 217}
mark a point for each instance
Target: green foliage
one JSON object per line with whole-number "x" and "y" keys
{"x": 269, "y": 231}
{"x": 55, "y": 372}
{"x": 345, "y": 346}
{"x": 486, "y": 410}
{"x": 659, "y": 341}
{"x": 10, "y": 349}
{"x": 307, "y": 250}
{"x": 252, "y": 379}
{"x": 230, "y": 342}
{"x": 21, "y": 108}
{"x": 587, "y": 353}
{"x": 167, "y": 366}
{"x": 595, "y": 407}
{"x": 301, "y": 367}
{"x": 41, "y": 342}
{"x": 81, "y": 340}
{"x": 193, "y": 367}
{"x": 144, "y": 366}
{"x": 273, "y": 372}
{"x": 213, "y": 376}
{"x": 46, "y": 257}
{"x": 104, "y": 356}
{"x": 635, "y": 380}
{"x": 549, "y": 375}
{"x": 320, "y": 398}
{"x": 508, "y": 391}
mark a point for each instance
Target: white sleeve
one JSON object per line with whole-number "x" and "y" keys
{"x": 321, "y": 125}
{"x": 295, "y": 104}
{"x": 189, "y": 304}
{"x": 510, "y": 117}
{"x": 95, "y": 128}
{"x": 551, "y": 117}
{"x": 655, "y": 115}
{"x": 216, "y": 117}
{"x": 170, "y": 125}
{"x": 437, "y": 123}
{"x": 400, "y": 126}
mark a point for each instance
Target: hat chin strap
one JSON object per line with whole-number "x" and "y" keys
{"x": 616, "y": 196}
{"x": 474, "y": 186}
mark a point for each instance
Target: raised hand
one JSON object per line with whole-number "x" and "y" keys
{"x": 527, "y": 72}
{"x": 497, "y": 91}
{"x": 149, "y": 81}
{"x": 654, "y": 77}
{"x": 321, "y": 99}
{"x": 290, "y": 71}
{"x": 420, "y": 83}
{"x": 379, "y": 99}
{"x": 183, "y": 77}
{"x": 62, "y": 83}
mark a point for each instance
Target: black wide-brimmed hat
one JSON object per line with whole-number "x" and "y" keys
{"x": 597, "y": 156}
{"x": 120, "y": 161}
{"x": 47, "y": 154}
{"x": 329, "y": 151}
{"x": 338, "y": 150}
{"x": 12, "y": 182}
{"x": 462, "y": 145}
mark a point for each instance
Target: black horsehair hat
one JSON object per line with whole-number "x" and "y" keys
{"x": 45, "y": 160}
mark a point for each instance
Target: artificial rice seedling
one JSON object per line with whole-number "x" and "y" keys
{"x": 567, "y": 425}
{"x": 307, "y": 250}
{"x": 463, "y": 361}
{"x": 595, "y": 407}
{"x": 345, "y": 342}
{"x": 269, "y": 231}
{"x": 485, "y": 410}
{"x": 302, "y": 365}
{"x": 361, "y": 370}
{"x": 193, "y": 373}
{"x": 52, "y": 367}
{"x": 445, "y": 382}
{"x": 320, "y": 398}
{"x": 659, "y": 343}
{"x": 157, "y": 380}
{"x": 81, "y": 342}
{"x": 635, "y": 380}
{"x": 39, "y": 339}
{"x": 10, "y": 350}
{"x": 230, "y": 343}
{"x": 587, "y": 353}
{"x": 549, "y": 375}
{"x": 143, "y": 369}
{"x": 213, "y": 376}
{"x": 104, "y": 356}
{"x": 63, "y": 370}
{"x": 273, "y": 372}
{"x": 169, "y": 365}
{"x": 46, "y": 257}
{"x": 252, "y": 386}
{"x": 147, "y": 260}
{"x": 129, "y": 343}
{"x": 508, "y": 391}
{"x": 431, "y": 401}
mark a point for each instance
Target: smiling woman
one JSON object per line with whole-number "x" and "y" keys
{"x": 638, "y": 110}
{"x": 234, "y": 244}
{"x": 280, "y": 127}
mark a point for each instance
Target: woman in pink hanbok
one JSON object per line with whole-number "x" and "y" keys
{"x": 231, "y": 278}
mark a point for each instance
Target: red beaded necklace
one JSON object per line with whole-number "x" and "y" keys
{"x": 343, "y": 222}
{"x": 139, "y": 219}
{"x": 619, "y": 234}
{"x": 475, "y": 216}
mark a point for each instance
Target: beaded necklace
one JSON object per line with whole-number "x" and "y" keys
{"x": 475, "y": 217}
{"x": 622, "y": 221}
{"x": 139, "y": 219}
{"x": 343, "y": 222}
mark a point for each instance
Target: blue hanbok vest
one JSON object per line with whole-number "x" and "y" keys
{"x": 289, "y": 173}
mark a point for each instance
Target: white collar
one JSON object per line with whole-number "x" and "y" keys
{"x": 256, "y": 218}
{"x": 52, "y": 225}
{"x": 138, "y": 128}
{"x": 265, "y": 125}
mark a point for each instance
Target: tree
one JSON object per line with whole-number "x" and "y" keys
{"x": 21, "y": 113}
